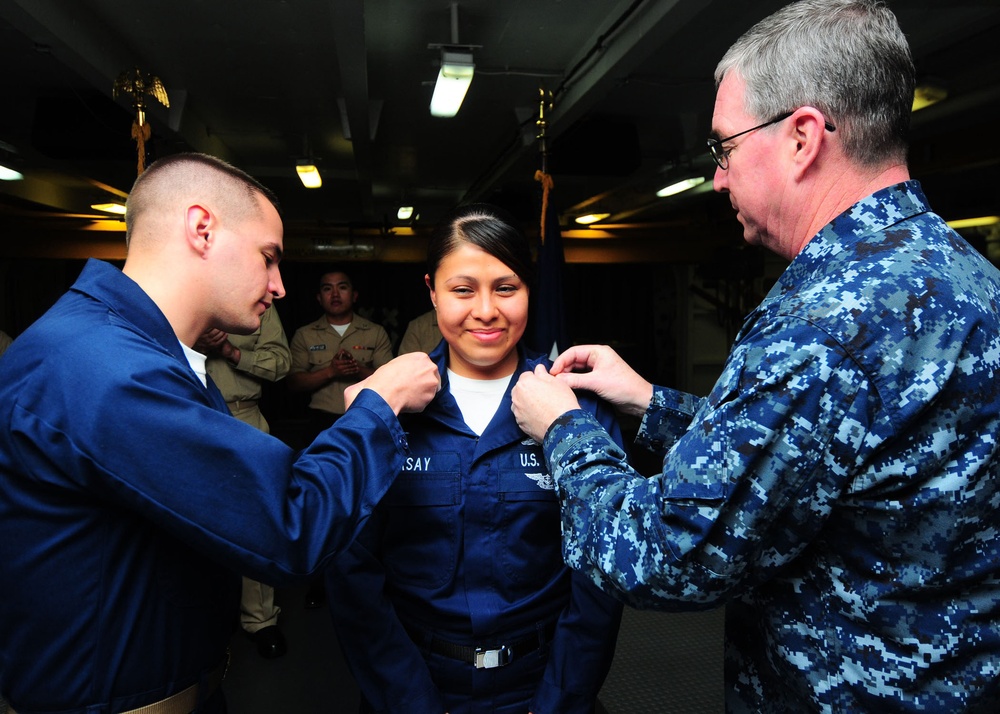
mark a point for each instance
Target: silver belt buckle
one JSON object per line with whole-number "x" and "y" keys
{"x": 488, "y": 659}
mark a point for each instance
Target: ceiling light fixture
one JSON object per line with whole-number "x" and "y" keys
{"x": 456, "y": 72}
{"x": 116, "y": 208}
{"x": 308, "y": 174}
{"x": 453, "y": 82}
{"x": 404, "y": 213}
{"x": 8, "y": 174}
{"x": 926, "y": 94}
{"x": 591, "y": 218}
{"x": 680, "y": 186}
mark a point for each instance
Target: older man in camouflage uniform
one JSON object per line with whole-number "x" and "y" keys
{"x": 838, "y": 488}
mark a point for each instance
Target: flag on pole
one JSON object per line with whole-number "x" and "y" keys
{"x": 549, "y": 332}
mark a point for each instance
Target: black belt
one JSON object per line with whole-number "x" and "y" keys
{"x": 490, "y": 657}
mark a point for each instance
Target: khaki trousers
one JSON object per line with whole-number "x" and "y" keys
{"x": 257, "y": 608}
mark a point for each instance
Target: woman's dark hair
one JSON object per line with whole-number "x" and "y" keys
{"x": 489, "y": 228}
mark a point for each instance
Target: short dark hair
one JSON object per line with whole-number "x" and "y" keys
{"x": 235, "y": 190}
{"x": 329, "y": 271}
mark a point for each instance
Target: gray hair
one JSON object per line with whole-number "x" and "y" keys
{"x": 847, "y": 58}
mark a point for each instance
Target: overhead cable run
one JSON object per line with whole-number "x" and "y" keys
{"x": 600, "y": 45}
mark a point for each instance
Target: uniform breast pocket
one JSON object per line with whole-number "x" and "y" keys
{"x": 421, "y": 538}
{"x": 530, "y": 510}
{"x": 319, "y": 357}
{"x": 364, "y": 356}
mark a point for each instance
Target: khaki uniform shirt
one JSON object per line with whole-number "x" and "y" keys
{"x": 314, "y": 346}
{"x": 264, "y": 355}
{"x": 422, "y": 334}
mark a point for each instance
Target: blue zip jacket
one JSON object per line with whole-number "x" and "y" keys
{"x": 130, "y": 498}
{"x": 466, "y": 547}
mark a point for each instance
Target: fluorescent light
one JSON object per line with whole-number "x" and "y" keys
{"x": 7, "y": 174}
{"x": 926, "y": 94}
{"x": 116, "y": 208}
{"x": 591, "y": 218}
{"x": 453, "y": 82}
{"x": 680, "y": 186}
{"x": 309, "y": 175}
{"x": 404, "y": 212}
{"x": 974, "y": 222}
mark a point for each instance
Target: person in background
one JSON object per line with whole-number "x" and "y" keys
{"x": 130, "y": 498}
{"x": 335, "y": 351}
{"x": 238, "y": 365}
{"x": 422, "y": 334}
{"x": 455, "y": 597}
{"x": 838, "y": 487}
{"x": 329, "y": 355}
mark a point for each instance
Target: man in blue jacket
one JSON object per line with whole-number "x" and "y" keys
{"x": 129, "y": 497}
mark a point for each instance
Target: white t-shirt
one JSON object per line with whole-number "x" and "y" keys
{"x": 478, "y": 399}
{"x": 197, "y": 361}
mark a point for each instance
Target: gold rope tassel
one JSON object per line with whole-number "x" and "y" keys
{"x": 547, "y": 184}
{"x": 136, "y": 84}
{"x": 141, "y": 133}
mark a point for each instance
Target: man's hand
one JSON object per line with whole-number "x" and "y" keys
{"x": 342, "y": 367}
{"x": 215, "y": 343}
{"x": 407, "y": 383}
{"x": 599, "y": 369}
{"x": 538, "y": 399}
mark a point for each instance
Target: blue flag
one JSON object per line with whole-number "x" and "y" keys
{"x": 549, "y": 332}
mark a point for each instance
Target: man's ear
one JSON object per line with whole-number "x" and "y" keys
{"x": 809, "y": 131}
{"x": 198, "y": 222}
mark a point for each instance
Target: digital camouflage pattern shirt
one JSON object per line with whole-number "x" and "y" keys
{"x": 837, "y": 490}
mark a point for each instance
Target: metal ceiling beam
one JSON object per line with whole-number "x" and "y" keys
{"x": 75, "y": 39}
{"x": 86, "y": 47}
{"x": 651, "y": 25}
{"x": 348, "y": 28}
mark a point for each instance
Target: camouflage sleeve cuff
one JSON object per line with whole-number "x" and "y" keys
{"x": 577, "y": 440}
{"x": 667, "y": 417}
{"x": 568, "y": 430}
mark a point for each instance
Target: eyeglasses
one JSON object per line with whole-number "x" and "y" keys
{"x": 721, "y": 155}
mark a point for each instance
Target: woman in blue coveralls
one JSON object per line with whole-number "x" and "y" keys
{"x": 455, "y": 597}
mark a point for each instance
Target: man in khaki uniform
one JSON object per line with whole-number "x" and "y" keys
{"x": 328, "y": 356}
{"x": 238, "y": 364}
{"x": 335, "y": 351}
